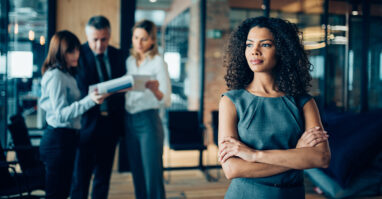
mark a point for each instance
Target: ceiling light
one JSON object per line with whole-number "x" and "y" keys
{"x": 31, "y": 35}
{"x": 313, "y": 45}
{"x": 16, "y": 29}
{"x": 153, "y": 1}
{"x": 42, "y": 40}
{"x": 355, "y": 9}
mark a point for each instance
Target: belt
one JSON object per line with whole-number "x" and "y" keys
{"x": 60, "y": 129}
{"x": 104, "y": 113}
{"x": 286, "y": 185}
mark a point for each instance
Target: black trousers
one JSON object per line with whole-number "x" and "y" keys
{"x": 95, "y": 155}
{"x": 57, "y": 152}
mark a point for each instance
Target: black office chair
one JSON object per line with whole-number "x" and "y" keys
{"x": 9, "y": 183}
{"x": 13, "y": 184}
{"x": 185, "y": 133}
{"x": 215, "y": 126}
{"x": 28, "y": 156}
{"x": 215, "y": 130}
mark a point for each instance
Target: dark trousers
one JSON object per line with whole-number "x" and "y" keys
{"x": 144, "y": 140}
{"x": 95, "y": 154}
{"x": 57, "y": 152}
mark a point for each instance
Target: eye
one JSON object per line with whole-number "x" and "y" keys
{"x": 248, "y": 45}
{"x": 266, "y": 45}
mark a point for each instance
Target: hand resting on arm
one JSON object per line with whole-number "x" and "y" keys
{"x": 239, "y": 160}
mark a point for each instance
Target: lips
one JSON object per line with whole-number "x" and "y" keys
{"x": 256, "y": 61}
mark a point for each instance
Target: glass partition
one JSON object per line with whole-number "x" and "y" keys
{"x": 375, "y": 57}
{"x": 176, "y": 55}
{"x": 3, "y": 71}
{"x": 26, "y": 53}
{"x": 337, "y": 65}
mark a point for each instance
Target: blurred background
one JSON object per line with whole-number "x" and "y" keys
{"x": 343, "y": 39}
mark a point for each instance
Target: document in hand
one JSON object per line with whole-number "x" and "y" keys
{"x": 113, "y": 85}
{"x": 140, "y": 81}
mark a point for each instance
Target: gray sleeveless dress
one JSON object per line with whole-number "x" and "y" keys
{"x": 266, "y": 123}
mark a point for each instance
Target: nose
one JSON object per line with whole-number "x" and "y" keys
{"x": 256, "y": 49}
{"x": 98, "y": 44}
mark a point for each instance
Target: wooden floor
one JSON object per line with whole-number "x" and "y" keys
{"x": 188, "y": 183}
{"x": 183, "y": 184}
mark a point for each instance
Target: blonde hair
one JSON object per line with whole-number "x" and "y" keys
{"x": 151, "y": 29}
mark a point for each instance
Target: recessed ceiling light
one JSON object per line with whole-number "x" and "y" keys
{"x": 42, "y": 40}
{"x": 31, "y": 35}
{"x": 153, "y": 1}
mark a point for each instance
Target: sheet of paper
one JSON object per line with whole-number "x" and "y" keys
{"x": 140, "y": 81}
{"x": 92, "y": 88}
{"x": 113, "y": 85}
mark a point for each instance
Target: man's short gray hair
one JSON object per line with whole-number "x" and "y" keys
{"x": 98, "y": 22}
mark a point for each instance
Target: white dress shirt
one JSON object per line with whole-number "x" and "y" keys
{"x": 137, "y": 101}
{"x": 61, "y": 99}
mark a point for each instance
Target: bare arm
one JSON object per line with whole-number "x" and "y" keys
{"x": 300, "y": 158}
{"x": 312, "y": 148}
{"x": 236, "y": 167}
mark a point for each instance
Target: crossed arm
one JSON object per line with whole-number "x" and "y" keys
{"x": 241, "y": 161}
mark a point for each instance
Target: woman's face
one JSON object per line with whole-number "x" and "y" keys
{"x": 71, "y": 58}
{"x": 142, "y": 41}
{"x": 260, "y": 50}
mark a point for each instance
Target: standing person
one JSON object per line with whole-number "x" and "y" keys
{"x": 60, "y": 98}
{"x": 102, "y": 125}
{"x": 269, "y": 127}
{"x": 145, "y": 131}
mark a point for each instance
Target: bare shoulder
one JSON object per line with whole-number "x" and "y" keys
{"x": 225, "y": 102}
{"x": 226, "y": 108}
{"x": 227, "y": 118}
{"x": 311, "y": 114}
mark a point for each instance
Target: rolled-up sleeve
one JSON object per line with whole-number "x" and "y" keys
{"x": 164, "y": 83}
{"x": 62, "y": 108}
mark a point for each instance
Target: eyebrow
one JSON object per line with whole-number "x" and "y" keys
{"x": 261, "y": 40}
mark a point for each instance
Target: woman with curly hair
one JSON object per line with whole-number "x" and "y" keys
{"x": 269, "y": 127}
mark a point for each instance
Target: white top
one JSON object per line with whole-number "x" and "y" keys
{"x": 137, "y": 101}
{"x": 61, "y": 99}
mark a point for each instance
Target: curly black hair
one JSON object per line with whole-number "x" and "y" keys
{"x": 291, "y": 73}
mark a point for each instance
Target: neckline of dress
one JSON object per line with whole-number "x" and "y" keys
{"x": 264, "y": 96}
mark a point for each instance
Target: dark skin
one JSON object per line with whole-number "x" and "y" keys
{"x": 239, "y": 160}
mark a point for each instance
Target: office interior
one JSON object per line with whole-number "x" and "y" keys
{"x": 342, "y": 37}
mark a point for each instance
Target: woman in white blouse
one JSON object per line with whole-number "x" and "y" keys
{"x": 61, "y": 100}
{"x": 144, "y": 128}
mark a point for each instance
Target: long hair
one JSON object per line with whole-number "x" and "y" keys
{"x": 151, "y": 29}
{"x": 61, "y": 43}
{"x": 291, "y": 73}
